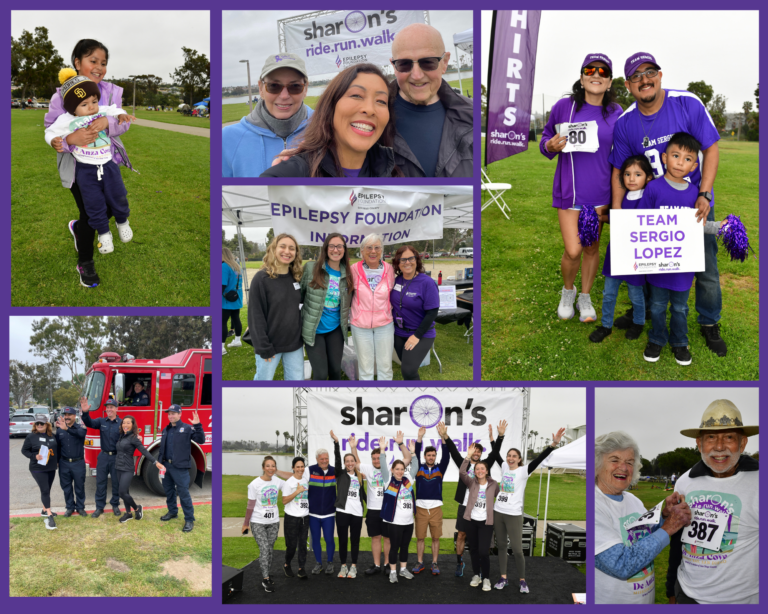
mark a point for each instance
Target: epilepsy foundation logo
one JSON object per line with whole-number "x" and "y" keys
{"x": 352, "y": 199}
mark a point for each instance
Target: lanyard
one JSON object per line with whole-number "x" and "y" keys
{"x": 403, "y": 291}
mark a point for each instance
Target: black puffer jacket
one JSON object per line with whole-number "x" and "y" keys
{"x": 455, "y": 157}
{"x": 379, "y": 162}
{"x": 126, "y": 446}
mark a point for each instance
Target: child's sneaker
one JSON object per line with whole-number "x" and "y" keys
{"x": 88, "y": 276}
{"x": 125, "y": 232}
{"x": 105, "y": 243}
{"x": 565, "y": 309}
{"x": 652, "y": 352}
{"x": 682, "y": 356}
{"x": 634, "y": 331}
{"x": 586, "y": 310}
{"x": 72, "y": 231}
{"x": 600, "y": 333}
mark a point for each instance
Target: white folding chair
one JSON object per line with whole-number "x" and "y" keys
{"x": 496, "y": 192}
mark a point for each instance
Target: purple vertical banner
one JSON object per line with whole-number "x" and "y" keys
{"x": 511, "y": 68}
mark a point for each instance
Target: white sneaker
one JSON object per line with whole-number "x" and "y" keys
{"x": 343, "y": 572}
{"x": 125, "y": 232}
{"x": 475, "y": 581}
{"x": 50, "y": 523}
{"x": 105, "y": 243}
{"x": 352, "y": 572}
{"x": 236, "y": 343}
{"x": 586, "y": 311}
{"x": 223, "y": 349}
{"x": 486, "y": 584}
{"x": 565, "y": 309}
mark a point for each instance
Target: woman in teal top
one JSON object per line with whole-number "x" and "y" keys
{"x": 231, "y": 284}
{"x": 325, "y": 315}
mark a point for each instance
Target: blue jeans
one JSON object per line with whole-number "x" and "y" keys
{"x": 709, "y": 298}
{"x": 611, "y": 291}
{"x": 326, "y": 525}
{"x": 293, "y": 366}
{"x": 177, "y": 480}
{"x": 374, "y": 345}
{"x": 678, "y": 320}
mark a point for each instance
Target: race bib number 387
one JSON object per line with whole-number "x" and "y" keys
{"x": 706, "y": 528}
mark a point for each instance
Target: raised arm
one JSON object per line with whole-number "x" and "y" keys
{"x": 407, "y": 455}
{"x": 495, "y": 455}
{"x": 384, "y": 464}
{"x": 353, "y": 448}
{"x": 198, "y": 435}
{"x": 339, "y": 469}
{"x": 556, "y": 437}
{"x": 463, "y": 469}
{"x": 452, "y": 449}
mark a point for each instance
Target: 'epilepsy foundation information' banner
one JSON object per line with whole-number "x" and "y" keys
{"x": 658, "y": 241}
{"x": 369, "y": 414}
{"x": 309, "y": 214}
{"x": 514, "y": 36}
{"x": 331, "y": 43}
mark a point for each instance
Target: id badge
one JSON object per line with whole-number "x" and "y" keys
{"x": 399, "y": 321}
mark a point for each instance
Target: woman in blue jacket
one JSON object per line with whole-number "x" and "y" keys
{"x": 231, "y": 288}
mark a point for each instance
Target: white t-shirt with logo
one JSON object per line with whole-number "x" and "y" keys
{"x": 354, "y": 505}
{"x": 730, "y": 574}
{"x": 511, "y": 491}
{"x": 265, "y": 495}
{"x": 375, "y": 481}
{"x": 298, "y": 507}
{"x": 471, "y": 474}
{"x": 480, "y": 509}
{"x": 611, "y": 518}
{"x": 404, "y": 509}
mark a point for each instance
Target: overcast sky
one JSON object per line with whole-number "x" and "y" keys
{"x": 655, "y": 416}
{"x": 718, "y": 47}
{"x": 252, "y": 35}
{"x": 264, "y": 410}
{"x": 139, "y": 42}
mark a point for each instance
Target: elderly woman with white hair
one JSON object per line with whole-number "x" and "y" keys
{"x": 373, "y": 330}
{"x": 625, "y": 548}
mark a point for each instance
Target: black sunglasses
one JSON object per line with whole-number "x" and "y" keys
{"x": 39, "y": 423}
{"x": 426, "y": 64}
{"x": 588, "y": 71}
{"x": 277, "y": 88}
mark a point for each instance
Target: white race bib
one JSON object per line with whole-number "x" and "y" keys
{"x": 582, "y": 136}
{"x": 706, "y": 528}
{"x": 651, "y": 517}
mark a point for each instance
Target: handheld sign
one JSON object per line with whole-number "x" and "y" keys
{"x": 647, "y": 241}
{"x": 582, "y": 136}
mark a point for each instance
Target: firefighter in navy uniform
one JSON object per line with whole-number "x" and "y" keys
{"x": 70, "y": 438}
{"x": 175, "y": 455}
{"x": 109, "y": 433}
{"x": 137, "y": 395}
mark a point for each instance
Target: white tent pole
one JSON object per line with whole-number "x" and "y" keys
{"x": 458, "y": 65}
{"x": 538, "y": 505}
{"x": 242, "y": 265}
{"x": 546, "y": 505}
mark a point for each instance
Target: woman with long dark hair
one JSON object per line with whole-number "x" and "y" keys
{"x": 43, "y": 463}
{"x": 325, "y": 294}
{"x": 296, "y": 519}
{"x": 127, "y": 445}
{"x": 231, "y": 298}
{"x": 351, "y": 133}
{"x": 350, "y": 498}
{"x": 582, "y": 179}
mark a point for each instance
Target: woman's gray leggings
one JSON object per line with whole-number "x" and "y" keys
{"x": 265, "y": 536}
{"x": 512, "y": 527}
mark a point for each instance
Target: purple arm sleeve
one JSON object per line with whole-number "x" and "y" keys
{"x": 249, "y": 511}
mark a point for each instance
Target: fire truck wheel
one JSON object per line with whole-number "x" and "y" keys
{"x": 152, "y": 477}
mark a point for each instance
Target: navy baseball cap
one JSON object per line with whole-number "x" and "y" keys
{"x": 111, "y": 402}
{"x": 597, "y": 57}
{"x": 174, "y": 407}
{"x": 69, "y": 410}
{"x": 635, "y": 60}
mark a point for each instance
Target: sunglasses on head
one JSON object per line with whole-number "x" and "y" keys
{"x": 602, "y": 71}
{"x": 426, "y": 64}
{"x": 277, "y": 88}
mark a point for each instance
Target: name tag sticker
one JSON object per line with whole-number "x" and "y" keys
{"x": 43, "y": 439}
{"x": 296, "y": 285}
{"x": 398, "y": 287}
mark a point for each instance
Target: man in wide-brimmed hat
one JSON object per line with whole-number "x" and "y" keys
{"x": 715, "y": 559}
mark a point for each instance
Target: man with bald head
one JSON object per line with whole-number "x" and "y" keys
{"x": 434, "y": 123}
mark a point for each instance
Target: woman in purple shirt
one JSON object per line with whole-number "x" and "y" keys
{"x": 582, "y": 178}
{"x": 415, "y": 302}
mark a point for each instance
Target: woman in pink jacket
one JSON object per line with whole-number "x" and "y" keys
{"x": 373, "y": 330}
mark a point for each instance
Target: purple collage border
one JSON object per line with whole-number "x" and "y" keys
{"x": 201, "y": 605}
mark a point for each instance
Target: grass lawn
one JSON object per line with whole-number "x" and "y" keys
{"x": 523, "y": 339}
{"x": 166, "y": 264}
{"x": 86, "y": 557}
{"x": 567, "y": 497}
{"x": 171, "y": 117}
{"x": 233, "y": 112}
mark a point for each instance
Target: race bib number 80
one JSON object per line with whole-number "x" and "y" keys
{"x": 582, "y": 136}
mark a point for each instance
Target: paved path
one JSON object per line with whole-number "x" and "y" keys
{"x": 174, "y": 127}
{"x": 230, "y": 123}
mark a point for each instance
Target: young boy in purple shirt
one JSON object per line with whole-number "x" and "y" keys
{"x": 673, "y": 192}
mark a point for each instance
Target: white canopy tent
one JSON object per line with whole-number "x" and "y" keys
{"x": 462, "y": 40}
{"x": 571, "y": 456}
{"x": 249, "y": 206}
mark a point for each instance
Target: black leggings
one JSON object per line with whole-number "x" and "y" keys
{"x": 296, "y": 530}
{"x": 399, "y": 540}
{"x": 325, "y": 355}
{"x": 83, "y": 231}
{"x": 352, "y": 524}
{"x": 410, "y": 360}
{"x": 479, "y": 536}
{"x": 44, "y": 480}
{"x": 226, "y": 314}
{"x": 124, "y": 480}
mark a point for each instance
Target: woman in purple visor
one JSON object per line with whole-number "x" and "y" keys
{"x": 582, "y": 178}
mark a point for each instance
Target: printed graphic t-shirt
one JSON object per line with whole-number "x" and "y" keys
{"x": 265, "y": 495}
{"x": 511, "y": 490}
{"x": 375, "y": 482}
{"x": 480, "y": 511}
{"x": 404, "y": 509}
{"x": 330, "y": 319}
{"x": 354, "y": 504}
{"x": 731, "y": 574}
{"x": 299, "y": 506}
{"x": 611, "y": 518}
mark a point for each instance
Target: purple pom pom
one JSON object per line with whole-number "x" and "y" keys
{"x": 589, "y": 226}
{"x": 734, "y": 237}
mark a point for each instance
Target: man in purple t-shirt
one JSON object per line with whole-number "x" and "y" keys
{"x": 644, "y": 129}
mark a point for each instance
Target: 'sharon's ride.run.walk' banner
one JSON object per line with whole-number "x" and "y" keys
{"x": 331, "y": 43}
{"x": 514, "y": 35}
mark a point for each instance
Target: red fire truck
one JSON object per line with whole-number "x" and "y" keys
{"x": 184, "y": 378}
